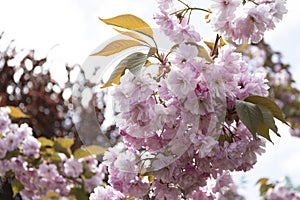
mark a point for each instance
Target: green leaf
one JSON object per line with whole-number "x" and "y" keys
{"x": 16, "y": 113}
{"x": 87, "y": 173}
{"x": 63, "y": 145}
{"x": 116, "y": 47}
{"x": 132, "y": 35}
{"x": 263, "y": 131}
{"x": 135, "y": 62}
{"x": 116, "y": 74}
{"x": 16, "y": 186}
{"x": 45, "y": 142}
{"x": 249, "y": 114}
{"x": 269, "y": 104}
{"x": 268, "y": 119}
{"x": 11, "y": 154}
{"x": 130, "y": 22}
{"x": 79, "y": 193}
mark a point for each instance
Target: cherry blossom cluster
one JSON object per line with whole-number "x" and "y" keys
{"x": 282, "y": 192}
{"x": 174, "y": 127}
{"x": 246, "y": 21}
{"x": 178, "y": 117}
{"x": 281, "y": 189}
{"x": 22, "y": 160}
{"x": 241, "y": 21}
{"x": 178, "y": 120}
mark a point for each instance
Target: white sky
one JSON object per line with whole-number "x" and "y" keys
{"x": 72, "y": 29}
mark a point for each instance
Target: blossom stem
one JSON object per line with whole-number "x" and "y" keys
{"x": 253, "y": 2}
{"x": 184, "y": 3}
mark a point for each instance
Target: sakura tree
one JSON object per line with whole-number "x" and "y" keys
{"x": 188, "y": 110}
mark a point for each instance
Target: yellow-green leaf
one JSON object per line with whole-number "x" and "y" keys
{"x": 55, "y": 158}
{"x": 63, "y": 145}
{"x": 130, "y": 22}
{"x": 88, "y": 173}
{"x": 79, "y": 193}
{"x": 50, "y": 195}
{"x": 116, "y": 74}
{"x": 95, "y": 149}
{"x": 147, "y": 63}
{"x": 64, "y": 142}
{"x": 212, "y": 44}
{"x": 81, "y": 153}
{"x": 242, "y": 48}
{"x": 16, "y": 187}
{"x": 16, "y": 113}
{"x": 202, "y": 53}
{"x": 151, "y": 178}
{"x": 116, "y": 47}
{"x": 45, "y": 142}
{"x": 132, "y": 35}
{"x": 262, "y": 181}
{"x": 88, "y": 151}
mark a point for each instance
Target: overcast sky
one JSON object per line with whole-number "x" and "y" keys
{"x": 69, "y": 30}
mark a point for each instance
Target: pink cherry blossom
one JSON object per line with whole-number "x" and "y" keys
{"x": 31, "y": 146}
{"x": 72, "y": 167}
{"x": 106, "y": 193}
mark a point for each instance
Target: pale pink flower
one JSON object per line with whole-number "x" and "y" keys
{"x": 31, "y": 146}
{"x": 280, "y": 192}
{"x": 4, "y": 122}
{"x": 163, "y": 191}
{"x": 4, "y": 166}
{"x": 186, "y": 52}
{"x": 166, "y": 22}
{"x": 90, "y": 162}
{"x": 3, "y": 148}
{"x": 48, "y": 171}
{"x": 106, "y": 193}
{"x": 181, "y": 82}
{"x": 225, "y": 8}
{"x": 278, "y": 9}
{"x": 222, "y": 182}
{"x": 12, "y": 141}
{"x": 164, "y": 4}
{"x": 23, "y": 131}
{"x": 185, "y": 32}
{"x": 72, "y": 168}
